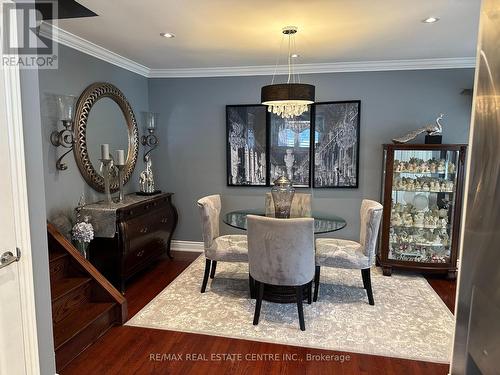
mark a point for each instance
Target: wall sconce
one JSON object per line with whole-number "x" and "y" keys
{"x": 150, "y": 140}
{"x": 66, "y": 111}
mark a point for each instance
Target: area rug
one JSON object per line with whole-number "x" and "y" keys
{"x": 409, "y": 320}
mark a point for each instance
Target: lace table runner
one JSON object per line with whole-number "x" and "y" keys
{"x": 102, "y": 215}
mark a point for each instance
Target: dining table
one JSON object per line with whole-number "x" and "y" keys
{"x": 323, "y": 223}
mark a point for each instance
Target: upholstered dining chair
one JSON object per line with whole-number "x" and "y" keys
{"x": 301, "y": 205}
{"x": 228, "y": 248}
{"x": 281, "y": 253}
{"x": 337, "y": 253}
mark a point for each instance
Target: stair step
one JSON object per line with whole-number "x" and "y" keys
{"x": 67, "y": 285}
{"x": 72, "y": 340}
{"x": 58, "y": 268}
{"x": 78, "y": 321}
{"x": 54, "y": 255}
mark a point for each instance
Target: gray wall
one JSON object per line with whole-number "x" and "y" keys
{"x": 75, "y": 72}
{"x": 191, "y": 159}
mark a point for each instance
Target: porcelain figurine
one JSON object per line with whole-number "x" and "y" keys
{"x": 443, "y": 223}
{"x": 451, "y": 168}
{"x": 442, "y": 213}
{"x": 146, "y": 178}
{"x": 427, "y": 223}
{"x": 408, "y": 220}
{"x": 431, "y": 129}
{"x": 419, "y": 220}
{"x": 432, "y": 167}
{"x": 441, "y": 166}
{"x": 396, "y": 219}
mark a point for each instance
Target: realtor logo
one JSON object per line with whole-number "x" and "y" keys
{"x": 23, "y": 43}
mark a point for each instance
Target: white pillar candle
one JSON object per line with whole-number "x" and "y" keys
{"x": 120, "y": 157}
{"x": 105, "y": 151}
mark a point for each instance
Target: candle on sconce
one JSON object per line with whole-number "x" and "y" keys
{"x": 105, "y": 151}
{"x": 120, "y": 157}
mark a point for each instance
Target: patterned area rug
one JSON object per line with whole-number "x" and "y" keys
{"x": 409, "y": 320}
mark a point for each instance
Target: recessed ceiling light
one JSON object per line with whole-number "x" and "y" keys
{"x": 167, "y": 35}
{"x": 430, "y": 20}
{"x": 294, "y": 55}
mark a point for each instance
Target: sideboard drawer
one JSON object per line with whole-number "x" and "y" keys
{"x": 145, "y": 229}
{"x": 141, "y": 254}
{"x": 156, "y": 203}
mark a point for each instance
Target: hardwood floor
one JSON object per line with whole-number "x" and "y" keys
{"x": 132, "y": 350}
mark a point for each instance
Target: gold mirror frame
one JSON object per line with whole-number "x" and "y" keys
{"x": 84, "y": 105}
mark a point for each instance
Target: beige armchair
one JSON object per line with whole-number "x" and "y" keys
{"x": 228, "y": 248}
{"x": 331, "y": 252}
{"x": 281, "y": 252}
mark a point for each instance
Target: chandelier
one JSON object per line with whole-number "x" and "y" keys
{"x": 289, "y": 99}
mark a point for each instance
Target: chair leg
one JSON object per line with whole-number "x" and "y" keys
{"x": 316, "y": 283}
{"x": 300, "y": 295}
{"x": 258, "y": 304}
{"x": 309, "y": 292}
{"x": 214, "y": 266}
{"x": 208, "y": 262}
{"x": 367, "y": 283}
{"x": 251, "y": 286}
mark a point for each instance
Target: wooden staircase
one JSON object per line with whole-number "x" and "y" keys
{"x": 84, "y": 304}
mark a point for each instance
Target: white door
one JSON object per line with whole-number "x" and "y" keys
{"x": 18, "y": 338}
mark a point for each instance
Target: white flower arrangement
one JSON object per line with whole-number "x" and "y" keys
{"x": 83, "y": 232}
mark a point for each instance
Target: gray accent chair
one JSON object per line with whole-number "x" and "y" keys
{"x": 337, "y": 253}
{"x": 301, "y": 205}
{"x": 228, "y": 248}
{"x": 281, "y": 253}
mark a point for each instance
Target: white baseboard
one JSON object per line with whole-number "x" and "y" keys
{"x": 191, "y": 246}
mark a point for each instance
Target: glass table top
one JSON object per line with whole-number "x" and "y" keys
{"x": 323, "y": 223}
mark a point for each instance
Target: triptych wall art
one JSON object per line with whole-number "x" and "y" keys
{"x": 319, "y": 148}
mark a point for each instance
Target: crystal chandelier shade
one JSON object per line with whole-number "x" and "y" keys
{"x": 293, "y": 98}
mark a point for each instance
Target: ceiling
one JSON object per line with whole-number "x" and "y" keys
{"x": 232, "y": 33}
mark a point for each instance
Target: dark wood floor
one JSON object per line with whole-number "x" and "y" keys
{"x": 131, "y": 350}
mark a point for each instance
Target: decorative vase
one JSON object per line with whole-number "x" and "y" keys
{"x": 83, "y": 248}
{"x": 282, "y": 192}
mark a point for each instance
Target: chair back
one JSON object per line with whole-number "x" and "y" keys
{"x": 371, "y": 214}
{"x": 301, "y": 205}
{"x": 210, "y": 207}
{"x": 281, "y": 251}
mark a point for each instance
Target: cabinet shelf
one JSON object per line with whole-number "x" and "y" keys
{"x": 422, "y": 191}
{"x": 415, "y": 227}
{"x": 425, "y": 173}
{"x": 435, "y": 244}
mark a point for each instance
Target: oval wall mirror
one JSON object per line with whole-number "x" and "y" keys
{"x": 103, "y": 115}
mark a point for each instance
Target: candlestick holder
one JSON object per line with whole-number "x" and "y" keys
{"x": 106, "y": 163}
{"x": 121, "y": 172}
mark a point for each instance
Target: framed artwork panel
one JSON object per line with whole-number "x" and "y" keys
{"x": 246, "y": 132}
{"x": 290, "y": 148}
{"x": 336, "y": 144}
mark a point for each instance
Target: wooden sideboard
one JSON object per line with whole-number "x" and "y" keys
{"x": 143, "y": 234}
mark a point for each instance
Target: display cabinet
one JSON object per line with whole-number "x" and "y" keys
{"x": 422, "y": 190}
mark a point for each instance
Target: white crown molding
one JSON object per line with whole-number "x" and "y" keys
{"x": 68, "y": 39}
{"x": 190, "y": 246}
{"x": 71, "y": 40}
{"x": 337, "y": 67}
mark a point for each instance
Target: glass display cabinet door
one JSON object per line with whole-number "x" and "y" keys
{"x": 423, "y": 200}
